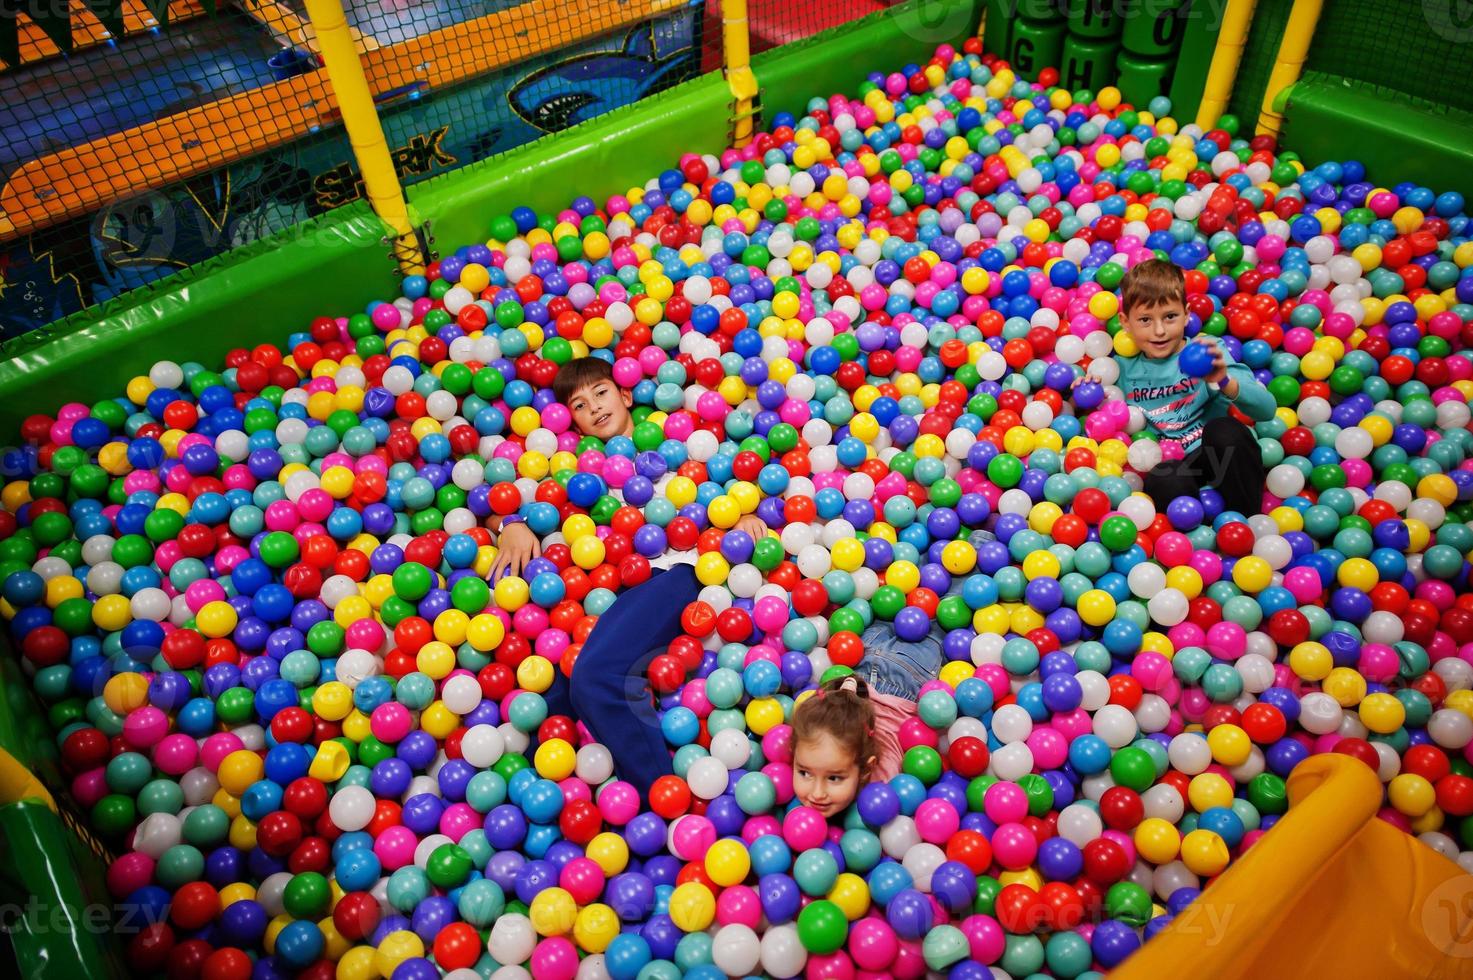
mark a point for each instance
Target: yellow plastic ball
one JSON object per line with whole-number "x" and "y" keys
{"x": 112, "y": 612}
{"x": 1157, "y": 840}
{"x": 1346, "y": 685}
{"x": 239, "y": 770}
{"x": 330, "y": 762}
{"x": 1357, "y": 573}
{"x": 958, "y": 557}
{"x": 395, "y": 949}
{"x": 847, "y": 554}
{"x": 1041, "y": 564}
{"x": 435, "y": 660}
{"x": 763, "y": 715}
{"x": 1412, "y": 794}
{"x": 332, "y": 701}
{"x": 956, "y": 671}
{"x": 1207, "y": 790}
{"x": 851, "y": 894}
{"x": 1096, "y": 606}
{"x": 1186, "y": 580}
{"x": 723, "y": 512}
{"x": 692, "y": 907}
{"x": 485, "y": 632}
{"x": 1204, "y": 852}
{"x": 511, "y": 593}
{"x": 609, "y": 851}
{"x": 1438, "y": 487}
{"x": 1382, "y": 713}
{"x": 438, "y": 720}
{"x": 712, "y": 568}
{"x": 242, "y": 835}
{"x": 125, "y": 692}
{"x": 728, "y": 862}
{"x": 1252, "y": 574}
{"x": 1025, "y": 619}
{"x": 1230, "y": 745}
{"x": 553, "y": 912}
{"x": 555, "y": 759}
{"x": 903, "y": 575}
{"x": 216, "y": 619}
{"x": 596, "y": 926}
{"x": 1311, "y": 661}
{"x": 535, "y": 674}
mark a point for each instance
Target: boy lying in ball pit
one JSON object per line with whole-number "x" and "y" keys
{"x": 1185, "y": 390}
{"x": 607, "y": 690}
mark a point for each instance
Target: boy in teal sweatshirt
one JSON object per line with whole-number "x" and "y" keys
{"x": 1220, "y": 451}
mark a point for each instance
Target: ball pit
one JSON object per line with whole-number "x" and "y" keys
{"x": 254, "y": 599}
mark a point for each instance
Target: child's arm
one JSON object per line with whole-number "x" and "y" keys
{"x": 515, "y": 547}
{"x": 1236, "y": 383}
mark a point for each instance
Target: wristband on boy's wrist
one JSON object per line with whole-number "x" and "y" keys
{"x": 511, "y": 519}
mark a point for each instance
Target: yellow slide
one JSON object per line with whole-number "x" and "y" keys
{"x": 1330, "y": 891}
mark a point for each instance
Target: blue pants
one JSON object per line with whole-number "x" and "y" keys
{"x": 899, "y": 667}
{"x": 609, "y": 691}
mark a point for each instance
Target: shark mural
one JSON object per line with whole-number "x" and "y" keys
{"x": 577, "y": 89}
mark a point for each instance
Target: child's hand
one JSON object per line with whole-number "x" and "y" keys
{"x": 753, "y": 525}
{"x": 515, "y": 549}
{"x": 1092, "y": 374}
{"x": 1219, "y": 362}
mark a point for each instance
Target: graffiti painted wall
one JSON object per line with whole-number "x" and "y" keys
{"x": 131, "y": 242}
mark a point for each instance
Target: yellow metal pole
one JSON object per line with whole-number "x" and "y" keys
{"x": 1289, "y": 64}
{"x": 1231, "y": 39}
{"x": 365, "y": 133}
{"x": 736, "y": 45}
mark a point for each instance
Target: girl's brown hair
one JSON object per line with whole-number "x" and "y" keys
{"x": 842, "y": 710}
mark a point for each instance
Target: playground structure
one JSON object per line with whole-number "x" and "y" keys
{"x": 376, "y": 102}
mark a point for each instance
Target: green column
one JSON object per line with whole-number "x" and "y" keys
{"x": 1033, "y": 47}
{"x": 1153, "y": 28}
{"x": 1142, "y": 79}
{"x": 1088, "y": 63}
{"x": 1094, "y": 18}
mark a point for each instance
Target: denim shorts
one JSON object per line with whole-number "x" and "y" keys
{"x": 898, "y": 667}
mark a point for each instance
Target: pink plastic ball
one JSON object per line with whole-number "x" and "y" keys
{"x": 873, "y": 944}
{"x": 129, "y": 873}
{"x": 618, "y": 803}
{"x": 803, "y": 828}
{"x": 176, "y": 754}
{"x": 1005, "y": 802}
{"x": 936, "y": 821}
{"x": 985, "y": 938}
{"x": 555, "y": 958}
{"x": 144, "y": 727}
{"x": 739, "y": 905}
{"x": 394, "y": 847}
{"x": 691, "y": 837}
{"x": 583, "y": 879}
{"x": 1014, "y": 846}
{"x": 390, "y": 722}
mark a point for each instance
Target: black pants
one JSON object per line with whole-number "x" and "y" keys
{"x": 1227, "y": 458}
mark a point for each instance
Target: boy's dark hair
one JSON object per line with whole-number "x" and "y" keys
{"x": 1152, "y": 283}
{"x": 580, "y": 372}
